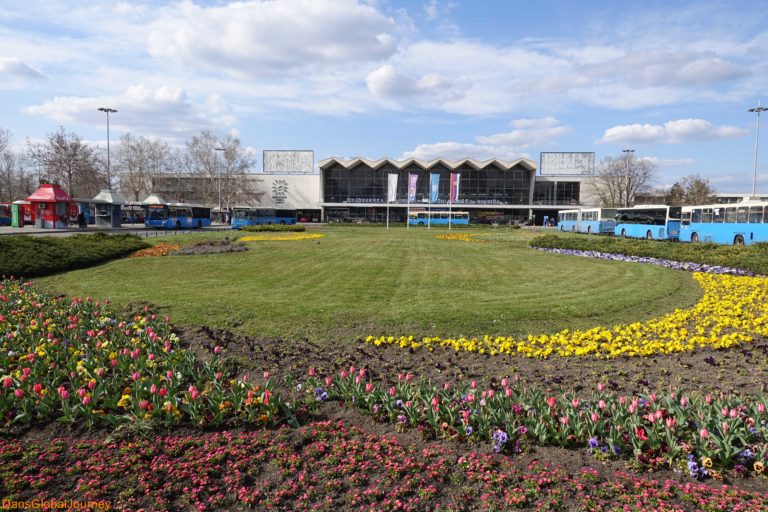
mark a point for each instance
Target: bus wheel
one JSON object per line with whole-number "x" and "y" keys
{"x": 695, "y": 238}
{"x": 421, "y": 223}
{"x": 649, "y": 235}
{"x": 738, "y": 240}
{"x": 623, "y": 233}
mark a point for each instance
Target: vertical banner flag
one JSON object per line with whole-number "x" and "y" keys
{"x": 455, "y": 186}
{"x": 434, "y": 187}
{"x": 392, "y": 188}
{"x": 412, "y": 180}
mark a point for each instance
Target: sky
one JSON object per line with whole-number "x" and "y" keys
{"x": 481, "y": 79}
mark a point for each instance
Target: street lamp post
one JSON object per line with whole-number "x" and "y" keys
{"x": 629, "y": 154}
{"x": 756, "y": 110}
{"x": 109, "y": 170}
{"x": 221, "y": 217}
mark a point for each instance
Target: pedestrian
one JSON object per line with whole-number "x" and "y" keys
{"x": 81, "y": 220}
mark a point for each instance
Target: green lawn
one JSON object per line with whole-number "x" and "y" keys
{"x": 360, "y": 281}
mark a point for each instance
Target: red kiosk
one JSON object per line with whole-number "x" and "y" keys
{"x": 50, "y": 205}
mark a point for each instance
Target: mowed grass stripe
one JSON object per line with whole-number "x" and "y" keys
{"x": 364, "y": 281}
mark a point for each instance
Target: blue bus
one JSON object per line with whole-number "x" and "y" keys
{"x": 654, "y": 222}
{"x": 177, "y": 216}
{"x": 729, "y": 224}
{"x": 437, "y": 218}
{"x": 255, "y": 216}
{"x": 5, "y": 214}
{"x": 592, "y": 221}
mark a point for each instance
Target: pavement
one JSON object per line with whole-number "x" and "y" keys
{"x": 137, "y": 229}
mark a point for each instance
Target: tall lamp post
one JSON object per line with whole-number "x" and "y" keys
{"x": 756, "y": 110}
{"x": 221, "y": 216}
{"x": 629, "y": 154}
{"x": 109, "y": 170}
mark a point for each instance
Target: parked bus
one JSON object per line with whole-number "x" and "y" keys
{"x": 654, "y": 222}
{"x": 132, "y": 213}
{"x": 592, "y": 221}
{"x": 5, "y": 214}
{"x": 255, "y": 216}
{"x": 438, "y": 218}
{"x": 177, "y": 216}
{"x": 729, "y": 224}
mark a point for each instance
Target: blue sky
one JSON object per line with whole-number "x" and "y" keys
{"x": 454, "y": 79}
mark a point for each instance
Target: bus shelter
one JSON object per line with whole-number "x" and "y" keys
{"x": 51, "y": 206}
{"x": 107, "y": 207}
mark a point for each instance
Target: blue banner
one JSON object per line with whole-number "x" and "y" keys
{"x": 434, "y": 187}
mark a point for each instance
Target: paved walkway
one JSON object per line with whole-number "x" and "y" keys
{"x": 137, "y": 229}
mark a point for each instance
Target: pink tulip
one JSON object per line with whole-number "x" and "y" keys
{"x": 344, "y": 374}
{"x": 19, "y": 393}
{"x": 363, "y": 372}
{"x": 704, "y": 433}
{"x": 600, "y": 387}
{"x": 86, "y": 400}
{"x": 266, "y": 375}
{"x": 551, "y": 401}
{"x": 622, "y": 400}
{"x": 153, "y": 388}
{"x": 169, "y": 375}
{"x": 470, "y": 398}
{"x": 708, "y": 398}
{"x": 447, "y": 386}
{"x": 409, "y": 377}
{"x": 136, "y": 376}
{"x": 368, "y": 387}
{"x": 143, "y": 405}
{"x": 358, "y": 379}
{"x": 312, "y": 372}
{"x": 92, "y": 384}
{"x": 507, "y": 392}
{"x": 504, "y": 382}
{"x": 601, "y": 404}
{"x": 726, "y": 427}
{"x": 473, "y": 384}
{"x": 37, "y": 388}
{"x": 163, "y": 392}
{"x": 575, "y": 403}
{"x": 7, "y": 382}
{"x": 671, "y": 423}
{"x": 733, "y": 414}
{"x": 400, "y": 377}
{"x": 564, "y": 420}
{"x": 392, "y": 391}
{"x": 594, "y": 416}
{"x": 81, "y": 392}
{"x": 658, "y": 414}
{"x": 328, "y": 380}
{"x": 63, "y": 393}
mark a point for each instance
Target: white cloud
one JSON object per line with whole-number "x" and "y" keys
{"x": 672, "y": 132}
{"x": 13, "y": 68}
{"x": 257, "y": 39}
{"x": 669, "y": 162}
{"x": 431, "y": 10}
{"x": 527, "y": 134}
{"x": 388, "y": 83}
{"x": 163, "y": 111}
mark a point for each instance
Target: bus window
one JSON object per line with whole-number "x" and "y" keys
{"x": 686, "y": 220}
{"x": 730, "y": 215}
{"x": 675, "y": 212}
{"x": 706, "y": 215}
{"x": 742, "y": 215}
{"x": 718, "y": 215}
{"x": 755, "y": 214}
{"x": 696, "y": 215}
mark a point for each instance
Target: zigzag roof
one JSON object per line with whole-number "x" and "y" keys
{"x": 427, "y": 164}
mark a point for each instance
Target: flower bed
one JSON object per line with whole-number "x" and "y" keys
{"x": 280, "y": 237}
{"x": 734, "y": 310}
{"x": 330, "y": 466}
{"x": 79, "y": 360}
{"x": 703, "y": 434}
{"x": 462, "y": 237}
{"x": 161, "y": 249}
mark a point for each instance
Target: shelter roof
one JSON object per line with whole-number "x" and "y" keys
{"x": 426, "y": 165}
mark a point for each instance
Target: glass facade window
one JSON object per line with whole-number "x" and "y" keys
{"x": 491, "y": 185}
{"x": 561, "y": 192}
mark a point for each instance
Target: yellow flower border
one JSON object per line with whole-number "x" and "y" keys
{"x": 280, "y": 237}
{"x": 733, "y": 310}
{"x": 462, "y": 237}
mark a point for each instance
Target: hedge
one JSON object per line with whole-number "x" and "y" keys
{"x": 753, "y": 258}
{"x": 34, "y": 256}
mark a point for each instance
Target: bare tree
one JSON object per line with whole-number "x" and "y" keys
{"x": 140, "y": 162}
{"x": 619, "y": 180}
{"x": 65, "y": 158}
{"x": 236, "y": 188}
{"x": 696, "y": 190}
{"x": 16, "y": 181}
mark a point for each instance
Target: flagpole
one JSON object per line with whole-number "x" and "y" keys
{"x": 387, "y": 213}
{"x": 450, "y": 202}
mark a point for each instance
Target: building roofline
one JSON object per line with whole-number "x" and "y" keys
{"x": 349, "y": 163}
